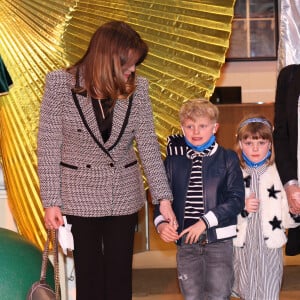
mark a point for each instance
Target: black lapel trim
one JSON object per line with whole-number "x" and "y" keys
{"x": 86, "y": 124}
{"x": 124, "y": 124}
{"x": 90, "y": 131}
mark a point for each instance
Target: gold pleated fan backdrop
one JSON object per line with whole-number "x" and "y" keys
{"x": 187, "y": 40}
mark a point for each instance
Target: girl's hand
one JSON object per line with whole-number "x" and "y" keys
{"x": 53, "y": 217}
{"x": 193, "y": 232}
{"x": 251, "y": 203}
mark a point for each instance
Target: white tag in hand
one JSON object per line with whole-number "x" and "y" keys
{"x": 65, "y": 236}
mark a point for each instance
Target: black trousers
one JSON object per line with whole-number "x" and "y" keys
{"x": 293, "y": 243}
{"x": 103, "y": 250}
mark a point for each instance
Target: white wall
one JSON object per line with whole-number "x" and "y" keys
{"x": 257, "y": 79}
{"x": 6, "y": 219}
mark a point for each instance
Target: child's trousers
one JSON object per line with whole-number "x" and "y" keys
{"x": 205, "y": 271}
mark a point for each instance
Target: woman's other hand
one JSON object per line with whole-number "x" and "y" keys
{"x": 53, "y": 217}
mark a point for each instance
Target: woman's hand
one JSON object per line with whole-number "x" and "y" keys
{"x": 53, "y": 217}
{"x": 293, "y": 197}
{"x": 166, "y": 210}
{"x": 167, "y": 232}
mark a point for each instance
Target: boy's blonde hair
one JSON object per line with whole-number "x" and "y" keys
{"x": 255, "y": 127}
{"x": 195, "y": 108}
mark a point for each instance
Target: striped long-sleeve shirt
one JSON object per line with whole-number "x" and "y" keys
{"x": 194, "y": 207}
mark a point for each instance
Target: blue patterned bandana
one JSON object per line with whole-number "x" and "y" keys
{"x": 203, "y": 146}
{"x": 255, "y": 164}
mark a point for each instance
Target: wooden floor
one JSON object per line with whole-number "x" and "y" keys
{"x": 159, "y": 259}
{"x": 283, "y": 296}
{"x": 163, "y": 255}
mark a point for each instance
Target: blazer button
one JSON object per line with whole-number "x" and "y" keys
{"x": 111, "y": 164}
{"x": 88, "y": 166}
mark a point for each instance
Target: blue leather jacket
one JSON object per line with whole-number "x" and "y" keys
{"x": 224, "y": 192}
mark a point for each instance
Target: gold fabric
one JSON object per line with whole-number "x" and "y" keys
{"x": 187, "y": 40}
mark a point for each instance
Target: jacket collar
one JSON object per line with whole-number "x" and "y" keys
{"x": 177, "y": 147}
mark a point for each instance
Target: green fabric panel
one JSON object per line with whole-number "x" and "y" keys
{"x": 20, "y": 266}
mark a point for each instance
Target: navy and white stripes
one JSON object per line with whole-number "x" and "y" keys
{"x": 194, "y": 205}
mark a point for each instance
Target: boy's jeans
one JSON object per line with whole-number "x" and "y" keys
{"x": 205, "y": 272}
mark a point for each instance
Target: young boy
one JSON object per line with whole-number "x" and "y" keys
{"x": 207, "y": 185}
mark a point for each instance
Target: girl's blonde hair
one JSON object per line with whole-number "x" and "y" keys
{"x": 195, "y": 108}
{"x": 254, "y": 127}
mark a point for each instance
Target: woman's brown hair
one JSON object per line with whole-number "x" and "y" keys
{"x": 112, "y": 47}
{"x": 254, "y": 127}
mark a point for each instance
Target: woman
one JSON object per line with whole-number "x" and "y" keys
{"x": 286, "y": 144}
{"x": 91, "y": 114}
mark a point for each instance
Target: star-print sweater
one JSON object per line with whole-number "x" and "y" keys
{"x": 273, "y": 209}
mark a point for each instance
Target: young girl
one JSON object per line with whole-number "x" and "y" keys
{"x": 258, "y": 260}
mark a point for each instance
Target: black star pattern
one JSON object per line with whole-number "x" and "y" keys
{"x": 247, "y": 181}
{"x": 272, "y": 192}
{"x": 275, "y": 223}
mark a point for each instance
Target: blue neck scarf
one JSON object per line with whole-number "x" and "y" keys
{"x": 203, "y": 146}
{"x": 256, "y": 164}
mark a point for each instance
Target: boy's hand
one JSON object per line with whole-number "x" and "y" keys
{"x": 193, "y": 232}
{"x": 166, "y": 210}
{"x": 167, "y": 232}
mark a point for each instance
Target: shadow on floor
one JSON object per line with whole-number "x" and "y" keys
{"x": 291, "y": 278}
{"x": 164, "y": 281}
{"x": 155, "y": 281}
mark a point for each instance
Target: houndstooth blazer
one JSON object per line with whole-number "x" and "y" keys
{"x": 76, "y": 174}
